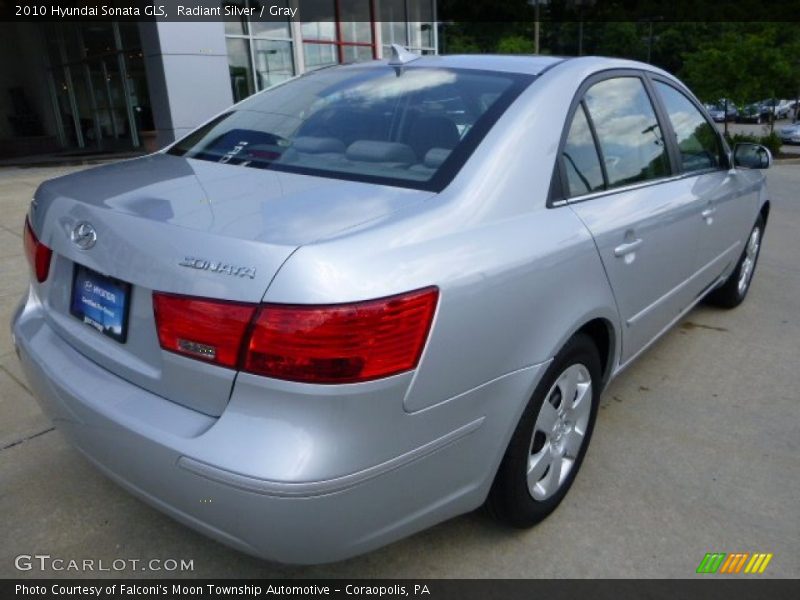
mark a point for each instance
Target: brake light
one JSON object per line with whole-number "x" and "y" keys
{"x": 210, "y": 330}
{"x": 341, "y": 343}
{"x": 38, "y": 254}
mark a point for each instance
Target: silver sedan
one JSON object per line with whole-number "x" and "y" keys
{"x": 790, "y": 134}
{"x": 378, "y": 296}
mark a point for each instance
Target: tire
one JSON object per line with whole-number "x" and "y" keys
{"x": 733, "y": 292}
{"x": 512, "y": 499}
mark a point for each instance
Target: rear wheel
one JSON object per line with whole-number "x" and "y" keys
{"x": 733, "y": 292}
{"x": 550, "y": 441}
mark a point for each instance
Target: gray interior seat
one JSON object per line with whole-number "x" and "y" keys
{"x": 428, "y": 132}
{"x": 433, "y": 160}
{"x": 390, "y": 154}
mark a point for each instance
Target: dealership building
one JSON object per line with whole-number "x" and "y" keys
{"x": 95, "y": 86}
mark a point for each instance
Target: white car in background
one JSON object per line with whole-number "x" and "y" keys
{"x": 780, "y": 109}
{"x": 790, "y": 134}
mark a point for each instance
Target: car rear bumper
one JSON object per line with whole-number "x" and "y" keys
{"x": 150, "y": 446}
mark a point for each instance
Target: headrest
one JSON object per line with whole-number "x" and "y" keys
{"x": 372, "y": 151}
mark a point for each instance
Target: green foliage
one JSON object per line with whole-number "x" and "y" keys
{"x": 743, "y": 65}
{"x": 621, "y": 40}
{"x": 742, "y": 60}
{"x": 515, "y": 44}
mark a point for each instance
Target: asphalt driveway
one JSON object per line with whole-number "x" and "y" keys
{"x": 696, "y": 450}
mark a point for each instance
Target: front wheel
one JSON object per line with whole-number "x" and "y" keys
{"x": 550, "y": 441}
{"x": 733, "y": 292}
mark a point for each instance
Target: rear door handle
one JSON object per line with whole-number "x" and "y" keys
{"x": 627, "y": 248}
{"x": 708, "y": 212}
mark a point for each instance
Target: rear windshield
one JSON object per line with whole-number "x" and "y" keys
{"x": 413, "y": 127}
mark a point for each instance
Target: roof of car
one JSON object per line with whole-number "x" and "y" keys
{"x": 531, "y": 64}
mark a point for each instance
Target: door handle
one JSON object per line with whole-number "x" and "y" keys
{"x": 627, "y": 248}
{"x": 708, "y": 212}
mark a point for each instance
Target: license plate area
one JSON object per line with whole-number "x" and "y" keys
{"x": 101, "y": 302}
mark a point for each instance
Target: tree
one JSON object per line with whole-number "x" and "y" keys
{"x": 515, "y": 44}
{"x": 711, "y": 72}
{"x": 746, "y": 64}
{"x": 621, "y": 39}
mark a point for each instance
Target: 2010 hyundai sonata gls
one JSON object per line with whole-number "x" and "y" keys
{"x": 380, "y": 295}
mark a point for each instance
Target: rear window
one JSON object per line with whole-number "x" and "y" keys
{"x": 413, "y": 127}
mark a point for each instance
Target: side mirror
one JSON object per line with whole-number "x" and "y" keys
{"x": 752, "y": 156}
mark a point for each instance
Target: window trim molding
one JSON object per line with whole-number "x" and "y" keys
{"x": 625, "y": 188}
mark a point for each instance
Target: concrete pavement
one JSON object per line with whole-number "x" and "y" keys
{"x": 696, "y": 450}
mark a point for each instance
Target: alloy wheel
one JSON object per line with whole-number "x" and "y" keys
{"x": 749, "y": 260}
{"x": 559, "y": 432}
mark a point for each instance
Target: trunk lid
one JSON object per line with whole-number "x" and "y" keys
{"x": 183, "y": 226}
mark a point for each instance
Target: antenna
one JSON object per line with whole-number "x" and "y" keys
{"x": 401, "y": 56}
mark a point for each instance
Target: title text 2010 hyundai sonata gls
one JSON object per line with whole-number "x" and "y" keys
{"x": 380, "y": 295}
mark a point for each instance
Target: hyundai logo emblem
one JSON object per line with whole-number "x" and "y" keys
{"x": 84, "y": 236}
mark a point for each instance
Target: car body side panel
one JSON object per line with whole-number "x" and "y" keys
{"x": 509, "y": 292}
{"x": 729, "y": 207}
{"x": 652, "y": 283}
{"x": 491, "y": 245}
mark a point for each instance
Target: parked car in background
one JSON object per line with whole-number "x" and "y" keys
{"x": 753, "y": 113}
{"x": 791, "y": 109}
{"x": 778, "y": 108}
{"x": 790, "y": 134}
{"x": 721, "y": 112}
{"x": 373, "y": 298}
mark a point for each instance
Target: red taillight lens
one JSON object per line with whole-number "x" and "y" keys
{"x": 38, "y": 254}
{"x": 210, "y": 330}
{"x": 341, "y": 343}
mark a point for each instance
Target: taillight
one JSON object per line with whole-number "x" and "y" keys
{"x": 210, "y": 330}
{"x": 38, "y": 254}
{"x": 341, "y": 343}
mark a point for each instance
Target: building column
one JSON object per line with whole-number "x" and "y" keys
{"x": 187, "y": 74}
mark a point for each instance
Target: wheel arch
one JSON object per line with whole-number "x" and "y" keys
{"x": 764, "y": 211}
{"x": 601, "y": 331}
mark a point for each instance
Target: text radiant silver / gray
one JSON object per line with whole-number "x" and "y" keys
{"x": 425, "y": 272}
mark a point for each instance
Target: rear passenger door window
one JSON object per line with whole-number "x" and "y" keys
{"x": 581, "y": 161}
{"x": 630, "y": 138}
{"x": 697, "y": 140}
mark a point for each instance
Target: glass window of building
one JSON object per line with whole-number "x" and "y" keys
{"x": 98, "y": 84}
{"x": 410, "y": 23}
{"x": 265, "y": 52}
{"x": 348, "y": 37}
{"x": 260, "y": 53}
{"x": 240, "y": 68}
